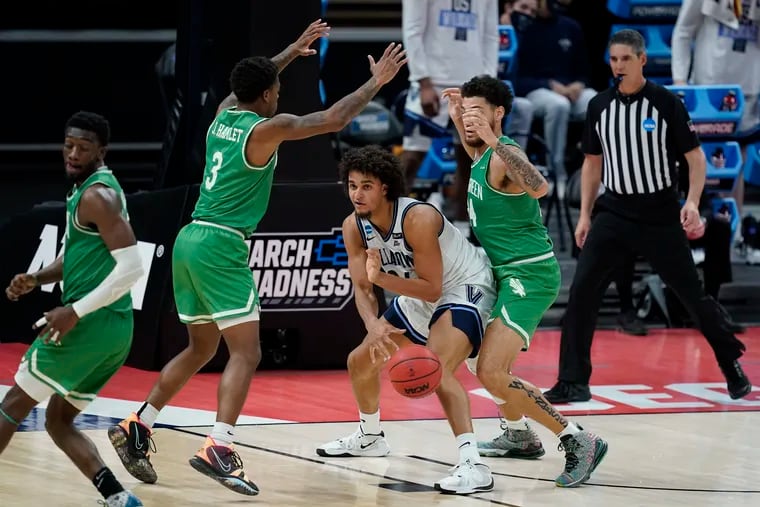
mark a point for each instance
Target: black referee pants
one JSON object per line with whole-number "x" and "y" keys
{"x": 610, "y": 241}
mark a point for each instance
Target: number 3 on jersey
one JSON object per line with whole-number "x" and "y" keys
{"x": 217, "y": 163}
{"x": 471, "y": 212}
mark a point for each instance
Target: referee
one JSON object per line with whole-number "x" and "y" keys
{"x": 635, "y": 131}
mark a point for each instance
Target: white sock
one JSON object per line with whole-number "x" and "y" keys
{"x": 370, "y": 423}
{"x": 570, "y": 429}
{"x": 468, "y": 448}
{"x": 148, "y": 414}
{"x": 223, "y": 433}
{"x": 520, "y": 424}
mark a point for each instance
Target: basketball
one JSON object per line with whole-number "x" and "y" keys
{"x": 415, "y": 371}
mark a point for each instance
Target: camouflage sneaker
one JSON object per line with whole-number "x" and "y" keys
{"x": 521, "y": 444}
{"x": 583, "y": 452}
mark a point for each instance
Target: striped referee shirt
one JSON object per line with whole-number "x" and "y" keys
{"x": 640, "y": 137}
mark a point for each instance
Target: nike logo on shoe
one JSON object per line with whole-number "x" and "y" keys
{"x": 363, "y": 446}
{"x": 225, "y": 467}
{"x": 138, "y": 445}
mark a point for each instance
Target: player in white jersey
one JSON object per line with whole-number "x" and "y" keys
{"x": 446, "y": 292}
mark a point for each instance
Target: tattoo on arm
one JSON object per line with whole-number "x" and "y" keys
{"x": 353, "y": 104}
{"x": 519, "y": 169}
{"x": 536, "y": 397}
{"x": 284, "y": 58}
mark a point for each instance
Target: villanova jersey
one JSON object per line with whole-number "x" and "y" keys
{"x": 233, "y": 192}
{"x": 461, "y": 260}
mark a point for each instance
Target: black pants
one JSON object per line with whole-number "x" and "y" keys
{"x": 613, "y": 239}
{"x": 717, "y": 245}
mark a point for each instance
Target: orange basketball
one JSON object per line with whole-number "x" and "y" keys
{"x": 415, "y": 371}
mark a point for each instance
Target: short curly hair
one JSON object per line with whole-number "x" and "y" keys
{"x": 493, "y": 90}
{"x": 251, "y": 77}
{"x": 91, "y": 122}
{"x": 375, "y": 161}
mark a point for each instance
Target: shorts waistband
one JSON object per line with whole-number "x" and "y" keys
{"x": 219, "y": 226}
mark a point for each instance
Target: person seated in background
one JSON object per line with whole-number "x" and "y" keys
{"x": 553, "y": 73}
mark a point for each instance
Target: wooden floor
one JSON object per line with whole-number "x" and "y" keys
{"x": 675, "y": 437}
{"x": 694, "y": 459}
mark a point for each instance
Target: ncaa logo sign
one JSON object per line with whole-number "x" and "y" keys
{"x": 649, "y": 125}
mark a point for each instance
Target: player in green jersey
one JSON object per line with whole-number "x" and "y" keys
{"x": 505, "y": 215}
{"x": 213, "y": 285}
{"x": 83, "y": 343}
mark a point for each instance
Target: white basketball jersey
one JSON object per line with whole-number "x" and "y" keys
{"x": 461, "y": 260}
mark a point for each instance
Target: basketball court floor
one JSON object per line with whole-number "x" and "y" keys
{"x": 675, "y": 437}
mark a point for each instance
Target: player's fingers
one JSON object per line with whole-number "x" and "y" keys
{"x": 40, "y": 322}
{"x": 371, "y": 61}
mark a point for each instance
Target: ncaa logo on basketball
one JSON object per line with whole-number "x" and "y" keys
{"x": 301, "y": 271}
{"x": 649, "y": 125}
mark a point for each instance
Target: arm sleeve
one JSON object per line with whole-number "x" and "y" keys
{"x": 591, "y": 143}
{"x": 414, "y": 21}
{"x": 684, "y": 133}
{"x": 491, "y": 38}
{"x": 689, "y": 20}
{"x": 123, "y": 276}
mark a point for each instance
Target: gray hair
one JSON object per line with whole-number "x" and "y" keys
{"x": 631, "y": 38}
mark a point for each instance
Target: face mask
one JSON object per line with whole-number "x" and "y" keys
{"x": 521, "y": 21}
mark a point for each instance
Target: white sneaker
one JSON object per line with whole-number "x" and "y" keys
{"x": 357, "y": 444}
{"x": 466, "y": 478}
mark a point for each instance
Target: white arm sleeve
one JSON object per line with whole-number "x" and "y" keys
{"x": 491, "y": 39}
{"x": 689, "y": 20}
{"x": 123, "y": 276}
{"x": 414, "y": 22}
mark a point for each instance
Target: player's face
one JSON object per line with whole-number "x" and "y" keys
{"x": 479, "y": 104}
{"x": 366, "y": 192}
{"x": 82, "y": 153}
{"x": 272, "y": 99}
{"x": 626, "y": 63}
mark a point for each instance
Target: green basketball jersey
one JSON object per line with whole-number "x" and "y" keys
{"x": 86, "y": 259}
{"x": 233, "y": 192}
{"x": 508, "y": 226}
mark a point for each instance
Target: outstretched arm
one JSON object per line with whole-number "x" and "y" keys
{"x": 300, "y": 47}
{"x": 288, "y": 127}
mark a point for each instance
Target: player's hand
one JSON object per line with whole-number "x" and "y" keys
{"x": 454, "y": 96}
{"x": 429, "y": 101}
{"x": 313, "y": 32}
{"x": 690, "y": 219}
{"x": 381, "y": 345}
{"x": 581, "y": 230}
{"x": 475, "y": 122}
{"x": 373, "y": 264}
{"x": 56, "y": 323}
{"x": 21, "y": 284}
{"x": 386, "y": 68}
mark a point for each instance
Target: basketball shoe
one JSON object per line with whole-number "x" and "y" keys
{"x": 583, "y": 452}
{"x": 223, "y": 464}
{"x": 465, "y": 478}
{"x": 358, "y": 444}
{"x": 521, "y": 444}
{"x": 121, "y": 499}
{"x": 133, "y": 443}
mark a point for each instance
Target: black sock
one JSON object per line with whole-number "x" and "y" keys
{"x": 106, "y": 483}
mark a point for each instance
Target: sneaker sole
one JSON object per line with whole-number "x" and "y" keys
{"x": 600, "y": 454}
{"x": 509, "y": 453}
{"x": 468, "y": 491}
{"x": 140, "y": 469}
{"x": 325, "y": 454}
{"x": 741, "y": 394}
{"x": 233, "y": 483}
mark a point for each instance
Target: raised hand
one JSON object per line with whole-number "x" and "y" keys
{"x": 386, "y": 68}
{"x": 454, "y": 96}
{"x": 314, "y": 31}
{"x": 475, "y": 122}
